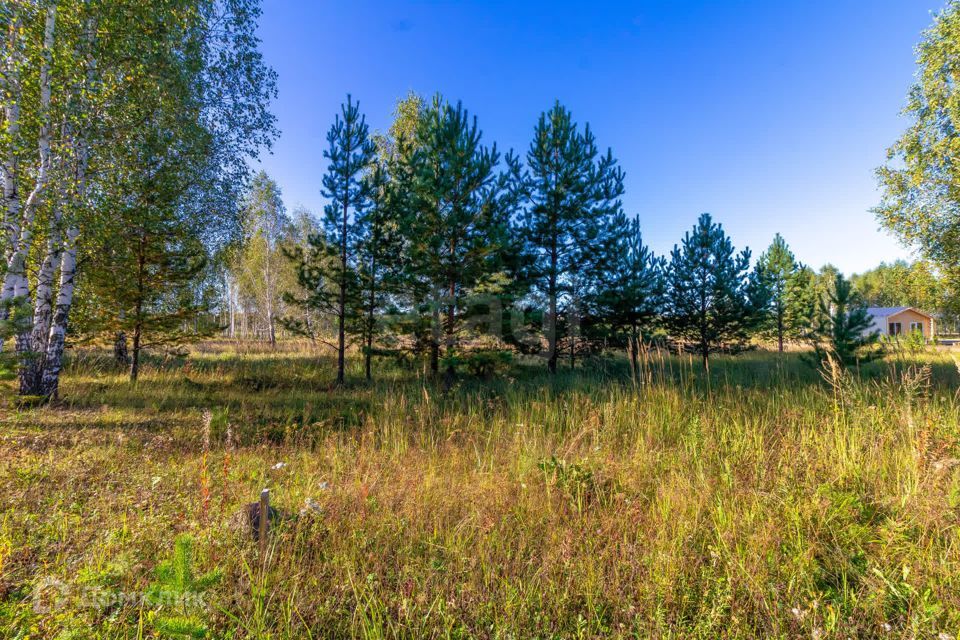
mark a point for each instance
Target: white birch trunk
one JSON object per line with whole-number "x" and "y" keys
{"x": 270, "y": 287}
{"x": 53, "y": 360}
{"x": 11, "y": 115}
{"x": 15, "y": 283}
{"x": 34, "y": 350}
{"x": 231, "y": 307}
{"x": 56, "y": 339}
{"x": 43, "y": 296}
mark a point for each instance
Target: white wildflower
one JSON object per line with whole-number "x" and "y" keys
{"x": 310, "y": 506}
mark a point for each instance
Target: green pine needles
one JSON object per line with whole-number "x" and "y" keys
{"x": 707, "y": 299}
{"x": 843, "y": 330}
{"x": 177, "y": 593}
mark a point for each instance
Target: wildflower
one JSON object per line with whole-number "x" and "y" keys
{"x": 154, "y": 481}
{"x": 943, "y": 635}
{"x": 279, "y": 466}
{"x": 310, "y": 506}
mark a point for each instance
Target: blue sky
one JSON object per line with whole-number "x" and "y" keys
{"x": 770, "y": 114}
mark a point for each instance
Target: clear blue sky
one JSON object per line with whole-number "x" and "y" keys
{"x": 770, "y": 114}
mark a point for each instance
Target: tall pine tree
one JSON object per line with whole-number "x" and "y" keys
{"x": 707, "y": 301}
{"x": 328, "y": 269}
{"x": 458, "y": 222}
{"x": 632, "y": 290}
{"x": 571, "y": 193}
{"x": 777, "y": 266}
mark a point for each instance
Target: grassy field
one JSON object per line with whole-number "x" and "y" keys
{"x": 765, "y": 501}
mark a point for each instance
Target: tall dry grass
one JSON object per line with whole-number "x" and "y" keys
{"x": 769, "y": 502}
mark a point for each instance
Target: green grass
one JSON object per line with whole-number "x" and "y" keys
{"x": 765, "y": 501}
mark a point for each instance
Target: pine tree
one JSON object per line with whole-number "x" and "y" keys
{"x": 571, "y": 193}
{"x": 144, "y": 269}
{"x": 348, "y": 186}
{"x": 632, "y": 290}
{"x": 707, "y": 289}
{"x": 843, "y": 329}
{"x": 802, "y": 302}
{"x": 457, "y": 224}
{"x": 776, "y": 266}
{"x": 378, "y": 249}
{"x": 328, "y": 269}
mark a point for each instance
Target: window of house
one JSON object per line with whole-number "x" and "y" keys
{"x": 916, "y": 327}
{"x": 895, "y": 329}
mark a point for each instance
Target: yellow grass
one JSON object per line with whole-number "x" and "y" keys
{"x": 766, "y": 501}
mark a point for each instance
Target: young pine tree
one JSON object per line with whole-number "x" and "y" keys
{"x": 458, "y": 223}
{"x": 777, "y": 266}
{"x": 632, "y": 291}
{"x": 328, "y": 268}
{"x": 707, "y": 300}
{"x": 844, "y": 329}
{"x": 378, "y": 249}
{"x": 145, "y": 267}
{"x": 571, "y": 192}
{"x": 802, "y": 302}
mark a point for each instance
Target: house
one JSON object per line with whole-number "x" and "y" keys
{"x": 895, "y": 321}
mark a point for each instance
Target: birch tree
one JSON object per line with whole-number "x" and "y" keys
{"x": 28, "y": 22}
{"x": 261, "y": 264}
{"x": 920, "y": 184}
{"x": 80, "y": 77}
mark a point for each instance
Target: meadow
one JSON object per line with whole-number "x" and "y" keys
{"x": 768, "y": 499}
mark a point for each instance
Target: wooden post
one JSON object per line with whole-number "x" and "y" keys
{"x": 264, "y": 517}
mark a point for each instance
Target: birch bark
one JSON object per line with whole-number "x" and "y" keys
{"x": 56, "y": 340}
{"x": 15, "y": 283}
{"x": 11, "y": 115}
{"x": 32, "y": 367}
{"x": 53, "y": 360}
